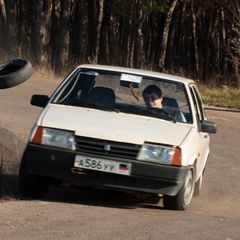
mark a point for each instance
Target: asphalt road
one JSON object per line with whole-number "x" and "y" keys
{"x": 74, "y": 214}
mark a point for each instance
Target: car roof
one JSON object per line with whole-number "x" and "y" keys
{"x": 137, "y": 72}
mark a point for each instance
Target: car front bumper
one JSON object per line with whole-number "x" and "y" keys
{"x": 145, "y": 177}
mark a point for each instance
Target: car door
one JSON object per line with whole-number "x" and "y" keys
{"x": 204, "y": 138}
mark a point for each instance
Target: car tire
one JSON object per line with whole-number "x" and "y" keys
{"x": 14, "y": 72}
{"x": 183, "y": 198}
{"x": 30, "y": 185}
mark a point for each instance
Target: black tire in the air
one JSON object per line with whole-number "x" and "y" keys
{"x": 14, "y": 72}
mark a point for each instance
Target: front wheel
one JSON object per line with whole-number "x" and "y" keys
{"x": 183, "y": 198}
{"x": 31, "y": 185}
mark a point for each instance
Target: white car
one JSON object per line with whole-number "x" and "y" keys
{"x": 96, "y": 131}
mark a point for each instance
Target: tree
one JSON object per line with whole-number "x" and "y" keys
{"x": 62, "y": 48}
{"x": 194, "y": 38}
{"x": 232, "y": 45}
{"x": 162, "y": 57}
{"x": 38, "y": 36}
{"x": 3, "y": 21}
{"x": 95, "y": 17}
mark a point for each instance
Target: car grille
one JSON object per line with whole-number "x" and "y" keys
{"x": 106, "y": 148}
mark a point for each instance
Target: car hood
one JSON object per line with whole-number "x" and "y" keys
{"x": 113, "y": 126}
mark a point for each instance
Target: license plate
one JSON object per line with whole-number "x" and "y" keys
{"x": 102, "y": 165}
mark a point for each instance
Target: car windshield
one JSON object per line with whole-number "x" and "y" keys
{"x": 123, "y": 93}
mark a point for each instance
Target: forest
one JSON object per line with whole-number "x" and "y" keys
{"x": 199, "y": 39}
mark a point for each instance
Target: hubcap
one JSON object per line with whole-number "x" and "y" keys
{"x": 189, "y": 187}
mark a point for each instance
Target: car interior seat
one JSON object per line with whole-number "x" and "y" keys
{"x": 170, "y": 102}
{"x": 103, "y": 96}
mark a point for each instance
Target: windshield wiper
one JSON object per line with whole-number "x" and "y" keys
{"x": 163, "y": 114}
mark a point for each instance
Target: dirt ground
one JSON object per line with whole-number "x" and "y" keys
{"x": 81, "y": 214}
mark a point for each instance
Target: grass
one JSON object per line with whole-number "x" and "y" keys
{"x": 226, "y": 97}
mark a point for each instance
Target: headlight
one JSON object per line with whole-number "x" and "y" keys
{"x": 160, "y": 154}
{"x": 54, "y": 137}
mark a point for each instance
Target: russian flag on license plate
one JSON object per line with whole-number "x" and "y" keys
{"x": 123, "y": 167}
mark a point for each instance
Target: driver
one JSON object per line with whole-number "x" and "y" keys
{"x": 152, "y": 96}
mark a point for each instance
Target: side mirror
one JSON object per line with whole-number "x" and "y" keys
{"x": 209, "y": 127}
{"x": 39, "y": 100}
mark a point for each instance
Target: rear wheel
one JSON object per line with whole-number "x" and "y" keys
{"x": 182, "y": 200}
{"x": 31, "y": 185}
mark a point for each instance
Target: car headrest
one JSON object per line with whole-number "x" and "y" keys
{"x": 170, "y": 102}
{"x": 103, "y": 96}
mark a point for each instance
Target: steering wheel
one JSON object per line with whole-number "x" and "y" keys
{"x": 159, "y": 110}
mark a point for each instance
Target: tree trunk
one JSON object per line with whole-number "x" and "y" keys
{"x": 208, "y": 50}
{"x": 103, "y": 55}
{"x": 162, "y": 58}
{"x": 53, "y": 32}
{"x": 132, "y": 39}
{"x": 3, "y": 23}
{"x": 98, "y": 30}
{"x": 95, "y": 18}
{"x": 92, "y": 22}
{"x": 131, "y": 44}
{"x": 78, "y": 33}
{"x": 194, "y": 33}
{"x": 38, "y": 32}
{"x": 123, "y": 43}
{"x": 23, "y": 30}
{"x": 111, "y": 41}
{"x": 11, "y": 36}
{"x": 46, "y": 29}
{"x": 171, "y": 48}
{"x": 140, "y": 39}
{"x": 63, "y": 37}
